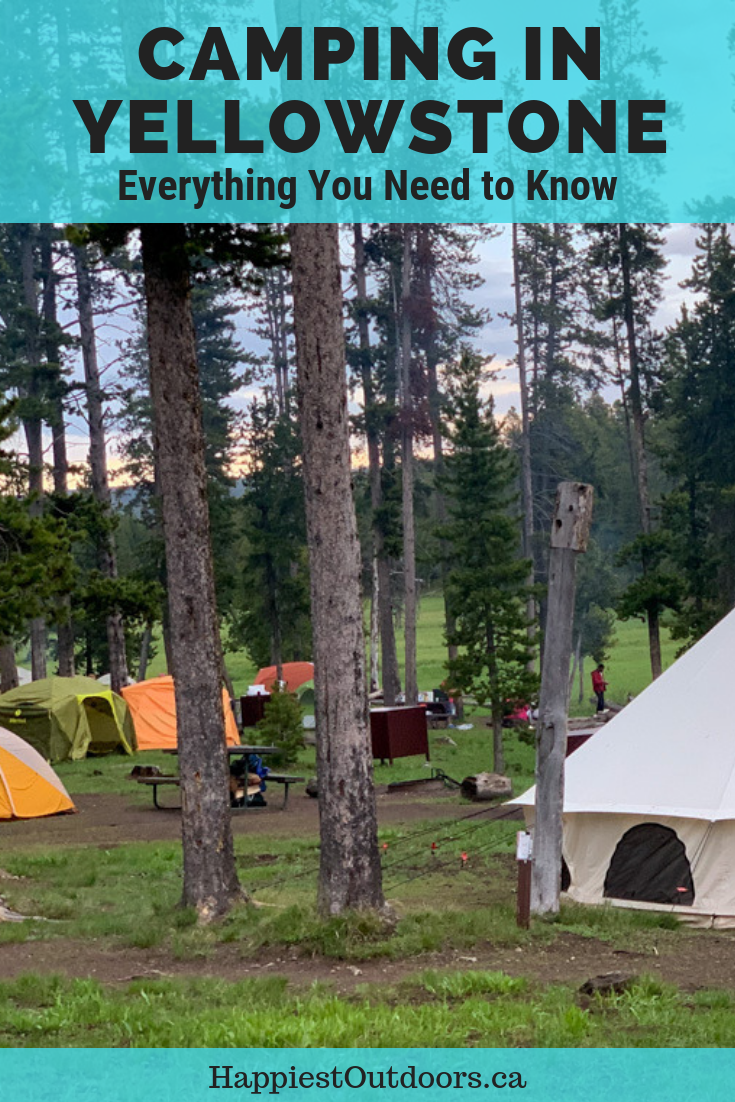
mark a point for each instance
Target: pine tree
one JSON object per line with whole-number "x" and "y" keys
{"x": 36, "y": 564}
{"x": 271, "y": 617}
{"x": 698, "y": 411}
{"x": 557, "y": 347}
{"x": 487, "y": 581}
{"x": 629, "y": 263}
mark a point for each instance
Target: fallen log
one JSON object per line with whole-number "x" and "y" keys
{"x": 486, "y": 786}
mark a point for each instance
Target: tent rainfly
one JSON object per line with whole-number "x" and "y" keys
{"x": 649, "y": 800}
{"x": 295, "y": 674}
{"x": 68, "y": 717}
{"x": 153, "y": 706}
{"x": 29, "y": 788}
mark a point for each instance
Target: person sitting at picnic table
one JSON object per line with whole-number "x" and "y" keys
{"x": 599, "y": 684}
{"x": 247, "y": 781}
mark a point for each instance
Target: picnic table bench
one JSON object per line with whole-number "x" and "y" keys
{"x": 157, "y": 782}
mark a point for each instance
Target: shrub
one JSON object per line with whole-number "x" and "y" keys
{"x": 282, "y": 726}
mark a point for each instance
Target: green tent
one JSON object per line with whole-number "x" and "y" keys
{"x": 305, "y": 693}
{"x": 68, "y": 717}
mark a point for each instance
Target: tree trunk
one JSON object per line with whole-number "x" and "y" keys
{"x": 552, "y": 735}
{"x": 425, "y": 263}
{"x": 498, "y": 752}
{"x": 374, "y": 626}
{"x": 496, "y": 702}
{"x": 64, "y": 625}
{"x": 382, "y": 587}
{"x": 654, "y": 642}
{"x": 98, "y": 464}
{"x": 210, "y": 878}
{"x": 145, "y": 647}
{"x": 569, "y": 535}
{"x": 526, "y": 479}
{"x": 276, "y": 321}
{"x": 33, "y": 427}
{"x": 407, "y": 477}
{"x": 350, "y": 872}
{"x": 575, "y": 660}
{"x": 640, "y": 470}
{"x": 8, "y": 668}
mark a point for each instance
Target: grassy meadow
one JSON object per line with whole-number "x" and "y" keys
{"x": 627, "y": 670}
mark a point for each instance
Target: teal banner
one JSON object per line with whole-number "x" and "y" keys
{"x": 553, "y": 1075}
{"x": 404, "y": 111}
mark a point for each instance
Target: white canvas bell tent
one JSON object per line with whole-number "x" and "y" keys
{"x": 649, "y": 800}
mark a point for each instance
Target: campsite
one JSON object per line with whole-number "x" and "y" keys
{"x": 112, "y": 960}
{"x": 366, "y": 635}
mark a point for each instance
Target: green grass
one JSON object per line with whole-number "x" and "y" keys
{"x": 627, "y": 670}
{"x": 472, "y": 754}
{"x": 127, "y": 895}
{"x": 111, "y": 773}
{"x": 429, "y": 1010}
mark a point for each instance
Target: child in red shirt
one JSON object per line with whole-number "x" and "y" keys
{"x": 599, "y": 684}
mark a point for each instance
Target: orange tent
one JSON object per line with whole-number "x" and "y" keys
{"x": 294, "y": 674}
{"x": 29, "y": 788}
{"x": 153, "y": 708}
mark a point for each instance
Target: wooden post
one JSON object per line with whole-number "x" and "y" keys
{"x": 524, "y": 854}
{"x": 569, "y": 534}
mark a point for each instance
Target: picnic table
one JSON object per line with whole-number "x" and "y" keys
{"x": 161, "y": 780}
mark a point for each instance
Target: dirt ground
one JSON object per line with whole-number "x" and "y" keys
{"x": 109, "y": 819}
{"x": 706, "y": 960}
{"x": 702, "y": 959}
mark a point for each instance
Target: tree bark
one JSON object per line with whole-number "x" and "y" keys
{"x": 496, "y": 703}
{"x": 349, "y": 873}
{"x": 575, "y": 660}
{"x": 64, "y": 625}
{"x": 8, "y": 668}
{"x": 407, "y": 477}
{"x": 374, "y": 626}
{"x": 145, "y": 647}
{"x": 382, "y": 587}
{"x": 640, "y": 467}
{"x": 32, "y": 425}
{"x": 526, "y": 478}
{"x": 98, "y": 463}
{"x": 569, "y": 534}
{"x": 425, "y": 264}
{"x": 276, "y": 322}
{"x": 210, "y": 878}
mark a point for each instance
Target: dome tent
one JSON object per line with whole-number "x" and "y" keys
{"x": 295, "y": 674}
{"x": 29, "y": 788}
{"x": 153, "y": 707}
{"x": 68, "y": 717}
{"x": 649, "y": 801}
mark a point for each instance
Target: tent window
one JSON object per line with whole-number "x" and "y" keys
{"x": 650, "y": 864}
{"x": 105, "y": 735}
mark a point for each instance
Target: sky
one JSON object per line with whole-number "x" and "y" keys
{"x": 497, "y": 338}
